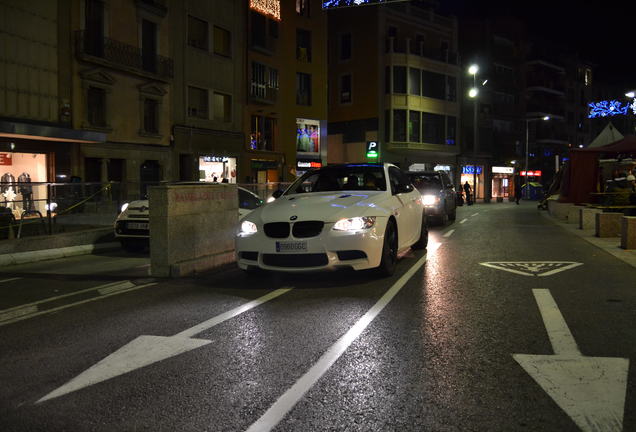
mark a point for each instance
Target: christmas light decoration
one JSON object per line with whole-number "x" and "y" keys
{"x": 609, "y": 108}
{"x": 269, "y": 8}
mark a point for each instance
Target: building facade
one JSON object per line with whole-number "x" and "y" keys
{"x": 285, "y": 118}
{"x": 394, "y": 80}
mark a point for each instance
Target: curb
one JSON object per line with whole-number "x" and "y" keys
{"x": 49, "y": 254}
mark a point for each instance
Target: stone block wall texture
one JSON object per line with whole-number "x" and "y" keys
{"x": 574, "y": 215}
{"x": 587, "y": 219}
{"x": 192, "y": 227}
{"x": 608, "y": 224}
{"x": 628, "y": 232}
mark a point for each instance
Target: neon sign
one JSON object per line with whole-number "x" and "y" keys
{"x": 470, "y": 169}
{"x": 536, "y": 173}
{"x": 610, "y": 108}
{"x": 332, "y": 4}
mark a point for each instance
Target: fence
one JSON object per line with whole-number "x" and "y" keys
{"x": 28, "y": 209}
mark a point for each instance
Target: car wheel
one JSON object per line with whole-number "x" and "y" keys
{"x": 130, "y": 245}
{"x": 422, "y": 242}
{"x": 389, "y": 250}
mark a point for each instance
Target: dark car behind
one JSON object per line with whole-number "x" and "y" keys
{"x": 438, "y": 194}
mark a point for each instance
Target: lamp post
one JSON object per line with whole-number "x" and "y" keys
{"x": 473, "y": 93}
{"x": 528, "y": 120}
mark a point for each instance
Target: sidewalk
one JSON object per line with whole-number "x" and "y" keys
{"x": 610, "y": 245}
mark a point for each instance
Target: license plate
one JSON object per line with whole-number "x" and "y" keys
{"x": 137, "y": 225}
{"x": 299, "y": 246}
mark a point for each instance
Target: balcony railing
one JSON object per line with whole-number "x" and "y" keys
{"x": 263, "y": 93}
{"x": 122, "y": 55}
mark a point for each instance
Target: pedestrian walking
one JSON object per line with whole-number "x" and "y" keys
{"x": 467, "y": 192}
{"x": 518, "y": 189}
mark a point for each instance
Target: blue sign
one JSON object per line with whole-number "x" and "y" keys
{"x": 332, "y": 4}
{"x": 470, "y": 169}
{"x": 610, "y": 108}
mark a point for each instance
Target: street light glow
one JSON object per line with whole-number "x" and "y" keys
{"x": 473, "y": 69}
{"x": 473, "y": 92}
{"x": 630, "y": 94}
{"x": 546, "y": 118}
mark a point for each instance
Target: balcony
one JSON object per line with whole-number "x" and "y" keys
{"x": 263, "y": 94}
{"x": 122, "y": 56}
{"x": 403, "y": 46}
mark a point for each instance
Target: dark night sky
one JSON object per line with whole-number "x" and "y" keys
{"x": 603, "y": 32}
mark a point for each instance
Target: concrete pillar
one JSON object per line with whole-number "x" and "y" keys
{"x": 574, "y": 214}
{"x": 628, "y": 232}
{"x": 608, "y": 224}
{"x": 587, "y": 218}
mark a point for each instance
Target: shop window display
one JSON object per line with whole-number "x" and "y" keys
{"x": 218, "y": 169}
{"x": 19, "y": 172}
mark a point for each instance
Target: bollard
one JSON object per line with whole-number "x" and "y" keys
{"x": 628, "y": 232}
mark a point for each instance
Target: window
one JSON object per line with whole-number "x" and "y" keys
{"x": 264, "y": 83}
{"x": 303, "y": 45}
{"x": 96, "y": 106}
{"x": 433, "y": 85}
{"x": 344, "y": 52}
{"x": 262, "y": 133}
{"x": 451, "y": 130}
{"x": 248, "y": 201}
{"x": 197, "y": 33}
{"x": 414, "y": 81}
{"x": 345, "y": 89}
{"x": 399, "y": 79}
{"x": 387, "y": 79}
{"x": 197, "y": 102}
{"x": 151, "y": 116}
{"x": 149, "y": 46}
{"x": 302, "y": 7}
{"x": 433, "y": 129}
{"x": 222, "y": 42}
{"x": 451, "y": 89}
{"x": 303, "y": 89}
{"x": 414, "y": 126}
{"x": 399, "y": 182}
{"x": 399, "y": 125}
{"x": 222, "y": 107}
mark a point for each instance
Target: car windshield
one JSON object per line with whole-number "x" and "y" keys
{"x": 341, "y": 178}
{"x": 425, "y": 181}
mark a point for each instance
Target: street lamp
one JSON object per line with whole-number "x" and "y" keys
{"x": 528, "y": 120}
{"x": 631, "y": 94}
{"x": 473, "y": 93}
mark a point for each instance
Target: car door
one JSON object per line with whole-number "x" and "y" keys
{"x": 405, "y": 202}
{"x": 448, "y": 194}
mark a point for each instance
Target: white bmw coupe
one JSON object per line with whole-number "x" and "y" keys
{"x": 354, "y": 215}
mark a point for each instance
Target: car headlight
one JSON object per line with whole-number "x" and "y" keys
{"x": 248, "y": 228}
{"x": 123, "y": 207}
{"x": 355, "y": 224}
{"x": 429, "y": 200}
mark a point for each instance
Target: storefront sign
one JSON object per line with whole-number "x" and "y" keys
{"x": 269, "y": 8}
{"x": 373, "y": 149}
{"x": 536, "y": 173}
{"x": 306, "y": 164}
{"x": 215, "y": 158}
{"x": 470, "y": 169}
{"x": 5, "y": 159}
{"x": 442, "y": 168}
{"x": 503, "y": 170}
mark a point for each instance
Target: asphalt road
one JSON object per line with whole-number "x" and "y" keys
{"x": 446, "y": 344}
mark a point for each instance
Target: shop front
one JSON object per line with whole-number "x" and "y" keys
{"x": 18, "y": 173}
{"x": 502, "y": 182}
{"x": 221, "y": 169}
{"x": 474, "y": 175}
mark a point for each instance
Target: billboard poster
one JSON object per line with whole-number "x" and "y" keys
{"x": 308, "y": 137}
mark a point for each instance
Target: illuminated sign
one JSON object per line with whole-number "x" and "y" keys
{"x": 536, "y": 173}
{"x": 5, "y": 159}
{"x": 442, "y": 168}
{"x": 269, "y": 8}
{"x": 610, "y": 108}
{"x": 373, "y": 149}
{"x": 332, "y": 4}
{"x": 503, "y": 170}
{"x": 302, "y": 164}
{"x": 215, "y": 158}
{"x": 308, "y": 137}
{"x": 470, "y": 169}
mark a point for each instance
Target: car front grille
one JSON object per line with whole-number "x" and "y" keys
{"x": 122, "y": 229}
{"x": 307, "y": 229}
{"x": 351, "y": 255}
{"x": 277, "y": 229}
{"x": 295, "y": 260}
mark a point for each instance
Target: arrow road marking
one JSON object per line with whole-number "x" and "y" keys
{"x": 532, "y": 268}
{"x": 146, "y": 350}
{"x": 591, "y": 390}
{"x": 290, "y": 398}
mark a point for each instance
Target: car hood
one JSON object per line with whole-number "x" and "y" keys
{"x": 324, "y": 206}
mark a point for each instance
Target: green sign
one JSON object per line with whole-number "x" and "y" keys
{"x": 373, "y": 149}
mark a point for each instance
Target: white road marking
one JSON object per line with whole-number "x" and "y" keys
{"x": 532, "y": 268}
{"x": 30, "y": 310}
{"x": 290, "y": 398}
{"x": 474, "y": 214}
{"x": 591, "y": 390}
{"x": 146, "y": 350}
{"x": 463, "y": 221}
{"x": 10, "y": 279}
{"x": 449, "y": 233}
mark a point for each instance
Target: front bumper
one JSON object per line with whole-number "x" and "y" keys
{"x": 331, "y": 249}
{"x": 132, "y": 228}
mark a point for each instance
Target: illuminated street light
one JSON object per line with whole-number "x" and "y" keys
{"x": 473, "y": 92}
{"x": 473, "y": 69}
{"x": 631, "y": 94}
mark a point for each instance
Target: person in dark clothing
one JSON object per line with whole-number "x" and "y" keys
{"x": 518, "y": 189}
{"x": 467, "y": 190}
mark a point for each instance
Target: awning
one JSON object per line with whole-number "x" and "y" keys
{"x": 14, "y": 130}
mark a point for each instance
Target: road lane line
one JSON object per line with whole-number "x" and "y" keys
{"x": 474, "y": 214}
{"x": 463, "y": 221}
{"x": 66, "y": 306}
{"x": 17, "y": 313}
{"x": 10, "y": 279}
{"x": 558, "y": 331}
{"x": 290, "y": 398}
{"x": 449, "y": 233}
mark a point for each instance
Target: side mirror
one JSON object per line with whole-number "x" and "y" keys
{"x": 277, "y": 193}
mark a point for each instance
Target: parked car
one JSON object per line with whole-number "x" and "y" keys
{"x": 132, "y": 226}
{"x": 438, "y": 194}
{"x": 353, "y": 215}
